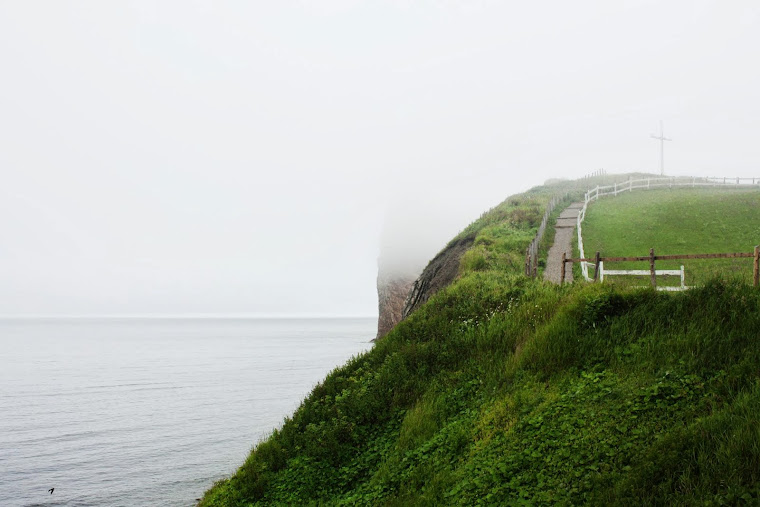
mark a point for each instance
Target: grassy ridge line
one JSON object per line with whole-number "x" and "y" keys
{"x": 513, "y": 222}
{"x": 675, "y": 222}
{"x": 502, "y": 389}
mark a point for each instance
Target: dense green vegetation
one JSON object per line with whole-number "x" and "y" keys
{"x": 679, "y": 221}
{"x": 508, "y": 390}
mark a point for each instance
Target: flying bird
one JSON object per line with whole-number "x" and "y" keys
{"x": 51, "y": 490}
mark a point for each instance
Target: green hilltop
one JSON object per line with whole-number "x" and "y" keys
{"x": 674, "y": 222}
{"x": 508, "y": 390}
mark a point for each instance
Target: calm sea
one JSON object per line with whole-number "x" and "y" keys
{"x": 147, "y": 412}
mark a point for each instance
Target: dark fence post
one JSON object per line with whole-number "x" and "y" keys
{"x": 562, "y": 269}
{"x": 757, "y": 266}
{"x": 651, "y": 267}
{"x": 597, "y": 261}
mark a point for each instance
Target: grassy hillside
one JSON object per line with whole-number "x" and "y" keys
{"x": 679, "y": 221}
{"x": 508, "y": 390}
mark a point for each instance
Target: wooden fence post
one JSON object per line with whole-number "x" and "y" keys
{"x": 651, "y": 267}
{"x": 597, "y": 260}
{"x": 562, "y": 269}
{"x": 757, "y": 266}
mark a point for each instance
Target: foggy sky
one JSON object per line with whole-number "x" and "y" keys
{"x": 240, "y": 157}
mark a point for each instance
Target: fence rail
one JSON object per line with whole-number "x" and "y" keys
{"x": 644, "y": 272}
{"x": 649, "y": 183}
{"x": 652, "y": 258}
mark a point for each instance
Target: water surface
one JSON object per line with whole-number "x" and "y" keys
{"x": 150, "y": 411}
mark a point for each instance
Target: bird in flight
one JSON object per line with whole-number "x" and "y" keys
{"x": 51, "y": 490}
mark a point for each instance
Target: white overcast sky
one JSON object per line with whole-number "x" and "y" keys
{"x": 239, "y": 157}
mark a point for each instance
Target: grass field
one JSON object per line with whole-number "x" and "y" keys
{"x": 683, "y": 221}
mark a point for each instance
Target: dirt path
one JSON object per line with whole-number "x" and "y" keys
{"x": 563, "y": 238}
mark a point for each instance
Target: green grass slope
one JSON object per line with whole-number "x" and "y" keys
{"x": 679, "y": 221}
{"x": 507, "y": 390}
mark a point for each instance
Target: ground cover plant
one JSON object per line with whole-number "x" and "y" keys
{"x": 506, "y": 390}
{"x": 677, "y": 221}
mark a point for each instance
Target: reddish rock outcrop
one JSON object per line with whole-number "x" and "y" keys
{"x": 392, "y": 291}
{"x": 401, "y": 292}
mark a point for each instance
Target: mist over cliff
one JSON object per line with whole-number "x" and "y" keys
{"x": 419, "y": 221}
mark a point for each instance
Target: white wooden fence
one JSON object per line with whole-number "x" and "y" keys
{"x": 650, "y": 183}
{"x": 645, "y": 272}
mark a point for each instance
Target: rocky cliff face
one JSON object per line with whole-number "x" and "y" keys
{"x": 392, "y": 291}
{"x": 400, "y": 292}
{"x": 418, "y": 221}
{"x": 439, "y": 273}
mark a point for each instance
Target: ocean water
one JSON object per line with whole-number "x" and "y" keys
{"x": 123, "y": 412}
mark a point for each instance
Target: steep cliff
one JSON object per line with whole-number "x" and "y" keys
{"x": 520, "y": 212}
{"x": 392, "y": 292}
{"x": 401, "y": 292}
{"x": 439, "y": 273}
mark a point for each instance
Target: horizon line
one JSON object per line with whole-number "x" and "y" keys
{"x": 198, "y": 316}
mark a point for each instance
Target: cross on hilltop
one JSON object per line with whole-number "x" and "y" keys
{"x": 662, "y": 140}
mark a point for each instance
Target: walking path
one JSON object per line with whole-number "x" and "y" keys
{"x": 563, "y": 238}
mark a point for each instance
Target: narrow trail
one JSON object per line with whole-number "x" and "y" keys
{"x": 563, "y": 238}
